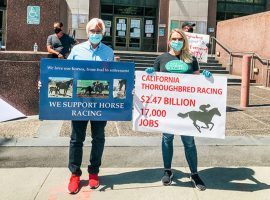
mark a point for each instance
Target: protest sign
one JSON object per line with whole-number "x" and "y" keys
{"x": 198, "y": 45}
{"x": 180, "y": 104}
{"x": 8, "y": 112}
{"x": 86, "y": 90}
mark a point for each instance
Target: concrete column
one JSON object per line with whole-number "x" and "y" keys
{"x": 163, "y": 21}
{"x": 245, "y": 80}
{"x": 94, "y": 9}
{"x": 212, "y": 16}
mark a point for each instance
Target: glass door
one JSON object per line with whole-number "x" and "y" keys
{"x": 134, "y": 40}
{"x": 120, "y": 33}
{"x": 127, "y": 34}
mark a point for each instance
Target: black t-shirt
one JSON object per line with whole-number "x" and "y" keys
{"x": 62, "y": 45}
{"x": 169, "y": 63}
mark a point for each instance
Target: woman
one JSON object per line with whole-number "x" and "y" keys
{"x": 187, "y": 64}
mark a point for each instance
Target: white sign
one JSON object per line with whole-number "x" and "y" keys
{"x": 119, "y": 27}
{"x": 122, "y": 21}
{"x": 134, "y": 23}
{"x": 149, "y": 28}
{"x": 107, "y": 31}
{"x": 149, "y": 22}
{"x": 107, "y": 23}
{"x": 121, "y": 33}
{"x": 197, "y": 45}
{"x": 181, "y": 104}
{"x": 7, "y": 112}
{"x": 124, "y": 27}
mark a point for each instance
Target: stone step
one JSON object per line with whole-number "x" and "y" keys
{"x": 151, "y": 61}
{"x": 219, "y": 71}
{"x": 210, "y": 64}
{"x": 137, "y": 61}
{"x": 143, "y": 66}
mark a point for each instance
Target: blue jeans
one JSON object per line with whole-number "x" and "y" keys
{"x": 190, "y": 151}
{"x": 76, "y": 146}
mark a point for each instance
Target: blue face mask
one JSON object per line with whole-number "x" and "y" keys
{"x": 177, "y": 45}
{"x": 95, "y": 38}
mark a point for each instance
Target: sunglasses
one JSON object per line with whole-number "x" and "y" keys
{"x": 179, "y": 39}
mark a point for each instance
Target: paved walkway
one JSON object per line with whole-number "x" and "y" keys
{"x": 237, "y": 183}
{"x": 253, "y": 120}
{"x": 235, "y": 168}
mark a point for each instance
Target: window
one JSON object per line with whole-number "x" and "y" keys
{"x": 107, "y": 9}
{"x": 228, "y": 9}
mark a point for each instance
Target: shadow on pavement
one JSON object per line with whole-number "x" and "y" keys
{"x": 232, "y": 109}
{"x": 5, "y": 140}
{"x": 259, "y": 105}
{"x": 221, "y": 178}
{"x": 218, "y": 178}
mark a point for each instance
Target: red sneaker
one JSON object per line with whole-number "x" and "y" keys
{"x": 93, "y": 181}
{"x": 73, "y": 186}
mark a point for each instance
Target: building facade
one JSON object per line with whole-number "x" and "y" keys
{"x": 141, "y": 25}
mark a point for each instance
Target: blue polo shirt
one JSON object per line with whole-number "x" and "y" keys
{"x": 84, "y": 51}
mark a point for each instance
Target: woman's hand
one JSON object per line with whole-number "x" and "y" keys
{"x": 150, "y": 70}
{"x": 206, "y": 74}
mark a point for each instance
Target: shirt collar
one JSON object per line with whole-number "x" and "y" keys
{"x": 96, "y": 49}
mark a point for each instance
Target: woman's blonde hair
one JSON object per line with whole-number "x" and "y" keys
{"x": 185, "y": 54}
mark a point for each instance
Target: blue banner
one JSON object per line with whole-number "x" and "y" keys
{"x": 86, "y": 90}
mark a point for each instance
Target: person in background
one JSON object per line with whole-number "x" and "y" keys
{"x": 188, "y": 27}
{"x": 179, "y": 50}
{"x": 59, "y": 44}
{"x": 94, "y": 50}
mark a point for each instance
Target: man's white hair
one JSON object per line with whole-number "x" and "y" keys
{"x": 93, "y": 23}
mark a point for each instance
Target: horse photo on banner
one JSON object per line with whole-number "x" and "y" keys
{"x": 181, "y": 104}
{"x": 86, "y": 90}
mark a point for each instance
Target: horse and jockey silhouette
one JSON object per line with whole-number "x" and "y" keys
{"x": 204, "y": 116}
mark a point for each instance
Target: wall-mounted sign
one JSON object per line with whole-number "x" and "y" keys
{"x": 33, "y": 14}
{"x": 161, "y": 31}
{"x": 149, "y": 28}
{"x": 162, "y": 25}
{"x": 211, "y": 30}
{"x": 107, "y": 23}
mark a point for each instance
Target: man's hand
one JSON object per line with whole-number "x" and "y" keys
{"x": 60, "y": 56}
{"x": 39, "y": 85}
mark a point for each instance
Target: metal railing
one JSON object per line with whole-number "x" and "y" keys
{"x": 231, "y": 53}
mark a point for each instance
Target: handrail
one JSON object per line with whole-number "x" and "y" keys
{"x": 231, "y": 53}
{"x": 234, "y": 52}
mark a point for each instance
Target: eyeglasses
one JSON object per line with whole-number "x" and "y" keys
{"x": 95, "y": 32}
{"x": 179, "y": 39}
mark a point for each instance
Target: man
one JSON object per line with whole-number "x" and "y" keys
{"x": 188, "y": 27}
{"x": 93, "y": 49}
{"x": 59, "y": 44}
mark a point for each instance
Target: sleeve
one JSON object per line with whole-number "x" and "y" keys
{"x": 49, "y": 40}
{"x": 157, "y": 64}
{"x": 71, "y": 55}
{"x": 72, "y": 40}
{"x": 195, "y": 64}
{"x": 111, "y": 57}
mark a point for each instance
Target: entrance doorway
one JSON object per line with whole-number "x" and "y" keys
{"x": 127, "y": 33}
